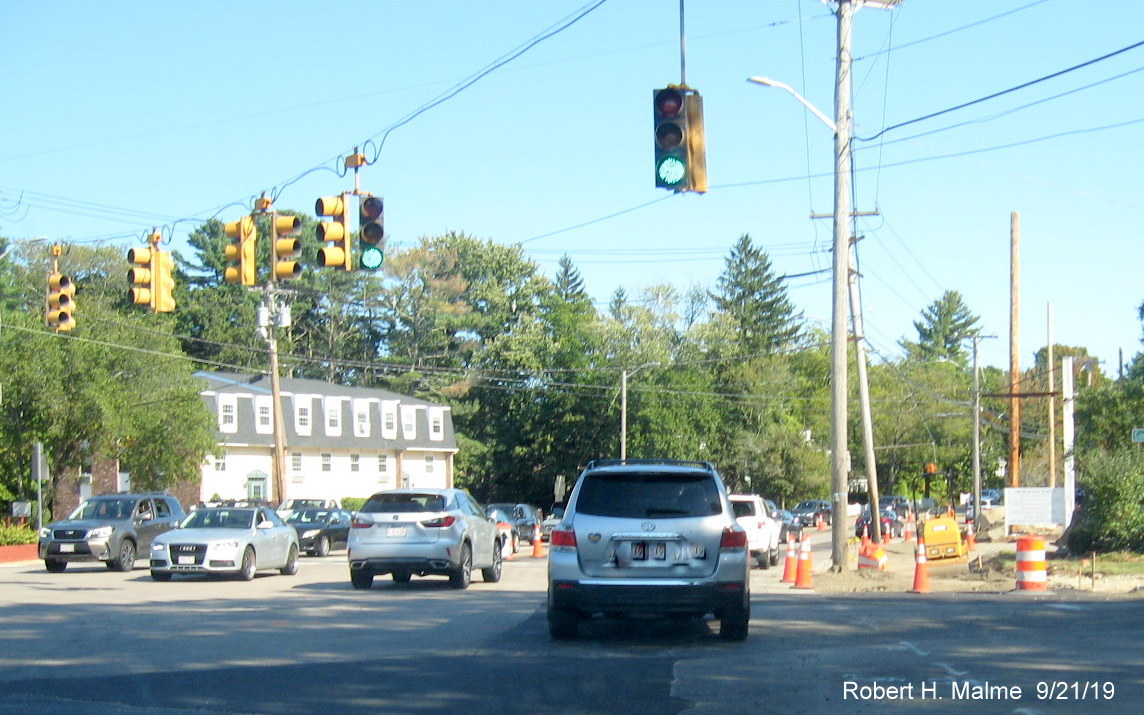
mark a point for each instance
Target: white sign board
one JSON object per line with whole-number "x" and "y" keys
{"x": 1034, "y": 506}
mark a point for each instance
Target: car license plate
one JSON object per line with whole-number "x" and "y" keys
{"x": 67, "y": 548}
{"x": 186, "y": 560}
{"x": 396, "y": 531}
{"x": 643, "y": 551}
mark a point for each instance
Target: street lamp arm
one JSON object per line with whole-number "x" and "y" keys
{"x": 768, "y": 82}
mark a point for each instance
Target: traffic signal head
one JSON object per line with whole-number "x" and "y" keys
{"x": 286, "y": 248}
{"x": 335, "y": 232}
{"x": 680, "y": 145}
{"x": 371, "y": 231}
{"x": 241, "y": 251}
{"x": 162, "y": 281}
{"x": 139, "y": 276}
{"x": 61, "y": 302}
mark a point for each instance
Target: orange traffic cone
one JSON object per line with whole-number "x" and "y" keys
{"x": 921, "y": 572}
{"x": 970, "y": 540}
{"x": 865, "y": 535}
{"x": 910, "y": 529}
{"x": 537, "y": 543}
{"x": 804, "y": 578}
{"x": 888, "y": 537}
{"x": 821, "y": 524}
{"x": 790, "y": 566}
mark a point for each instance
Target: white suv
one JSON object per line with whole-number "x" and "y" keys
{"x": 648, "y": 537}
{"x": 762, "y": 530}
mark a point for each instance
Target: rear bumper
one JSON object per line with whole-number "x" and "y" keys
{"x": 675, "y": 596}
{"x": 416, "y": 565}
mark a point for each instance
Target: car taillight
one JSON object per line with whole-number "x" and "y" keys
{"x": 563, "y": 537}
{"x": 360, "y": 523}
{"x": 440, "y": 522}
{"x": 733, "y": 539}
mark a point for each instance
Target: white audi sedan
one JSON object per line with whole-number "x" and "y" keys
{"x": 226, "y": 540}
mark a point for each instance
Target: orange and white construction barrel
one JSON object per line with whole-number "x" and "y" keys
{"x": 1032, "y": 569}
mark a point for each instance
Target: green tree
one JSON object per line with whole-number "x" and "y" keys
{"x": 755, "y": 301}
{"x": 942, "y": 330}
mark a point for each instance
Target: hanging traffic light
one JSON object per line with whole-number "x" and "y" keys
{"x": 162, "y": 281}
{"x": 680, "y": 144}
{"x": 371, "y": 231}
{"x": 139, "y": 276}
{"x": 286, "y": 249}
{"x": 240, "y": 251}
{"x": 61, "y": 302}
{"x": 335, "y": 233}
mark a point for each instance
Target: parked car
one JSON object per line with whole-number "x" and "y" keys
{"x": 290, "y": 505}
{"x": 762, "y": 530}
{"x": 808, "y": 512}
{"x": 525, "y": 519}
{"x": 422, "y": 532}
{"x": 320, "y": 529}
{"x": 112, "y": 528}
{"x": 788, "y": 527}
{"x": 238, "y": 541}
{"x": 510, "y": 543}
{"x": 554, "y": 516}
{"x": 649, "y": 537}
{"x": 990, "y": 499}
{"x": 892, "y": 523}
{"x": 898, "y": 503}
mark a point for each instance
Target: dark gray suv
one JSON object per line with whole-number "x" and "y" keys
{"x": 112, "y": 528}
{"x": 649, "y": 536}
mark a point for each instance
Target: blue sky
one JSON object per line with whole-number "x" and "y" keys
{"x": 121, "y": 116}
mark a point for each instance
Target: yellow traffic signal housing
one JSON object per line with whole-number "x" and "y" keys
{"x": 680, "y": 142}
{"x": 335, "y": 233}
{"x": 240, "y": 252}
{"x": 162, "y": 281}
{"x": 286, "y": 249}
{"x": 139, "y": 276}
{"x": 61, "y": 302}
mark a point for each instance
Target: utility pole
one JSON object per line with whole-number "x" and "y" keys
{"x": 1052, "y": 402}
{"x": 864, "y": 404}
{"x": 1014, "y": 354}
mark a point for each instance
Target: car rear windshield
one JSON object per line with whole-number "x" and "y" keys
{"x": 404, "y": 503}
{"x": 743, "y": 508}
{"x": 641, "y": 495}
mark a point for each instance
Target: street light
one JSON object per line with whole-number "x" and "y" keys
{"x": 842, "y": 128}
{"x": 624, "y": 406}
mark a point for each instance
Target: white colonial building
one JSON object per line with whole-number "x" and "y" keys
{"x": 340, "y": 441}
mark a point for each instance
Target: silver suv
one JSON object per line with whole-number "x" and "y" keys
{"x": 406, "y": 532}
{"x": 112, "y": 528}
{"x": 649, "y": 536}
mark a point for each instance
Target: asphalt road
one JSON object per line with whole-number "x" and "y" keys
{"x": 94, "y": 641}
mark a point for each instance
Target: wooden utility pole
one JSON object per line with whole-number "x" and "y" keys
{"x": 1052, "y": 403}
{"x": 1014, "y": 354}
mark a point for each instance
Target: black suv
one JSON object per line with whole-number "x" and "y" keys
{"x": 112, "y": 528}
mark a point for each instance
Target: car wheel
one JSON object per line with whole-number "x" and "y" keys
{"x": 492, "y": 574}
{"x": 246, "y": 573}
{"x": 764, "y": 560}
{"x": 463, "y": 575}
{"x": 125, "y": 561}
{"x": 775, "y": 556}
{"x": 55, "y": 566}
{"x": 322, "y": 546}
{"x": 291, "y": 566}
{"x": 160, "y": 576}
{"x": 733, "y": 624}
{"x": 563, "y": 624}
{"x": 401, "y": 576}
{"x": 362, "y": 579}
{"x": 515, "y": 543}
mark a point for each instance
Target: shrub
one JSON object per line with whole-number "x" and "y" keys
{"x": 352, "y": 503}
{"x": 1112, "y": 516}
{"x": 11, "y": 535}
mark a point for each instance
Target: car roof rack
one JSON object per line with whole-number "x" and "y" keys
{"x": 598, "y": 463}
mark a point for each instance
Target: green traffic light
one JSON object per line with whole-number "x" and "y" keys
{"x": 671, "y": 170}
{"x": 371, "y": 258}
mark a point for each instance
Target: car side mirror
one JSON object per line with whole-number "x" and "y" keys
{"x": 265, "y": 524}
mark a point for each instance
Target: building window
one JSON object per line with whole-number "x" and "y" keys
{"x": 296, "y": 461}
{"x": 264, "y": 415}
{"x": 333, "y": 418}
{"x": 408, "y": 422}
{"x": 303, "y": 416}
{"x": 436, "y": 424}
{"x": 355, "y": 462}
{"x": 327, "y": 462}
{"x": 228, "y": 414}
{"x": 383, "y": 467}
{"x": 220, "y": 462}
{"x": 428, "y": 464}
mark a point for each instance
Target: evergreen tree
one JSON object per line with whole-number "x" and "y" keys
{"x": 942, "y": 331}
{"x": 755, "y": 300}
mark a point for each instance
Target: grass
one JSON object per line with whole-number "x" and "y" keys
{"x": 1110, "y": 564}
